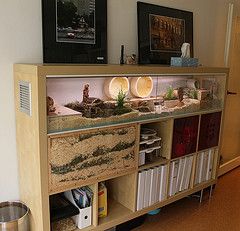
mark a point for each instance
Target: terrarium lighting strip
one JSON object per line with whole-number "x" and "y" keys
{"x": 136, "y": 75}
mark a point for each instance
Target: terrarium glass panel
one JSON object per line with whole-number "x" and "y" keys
{"x": 81, "y": 102}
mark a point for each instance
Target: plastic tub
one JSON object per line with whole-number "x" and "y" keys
{"x": 14, "y": 216}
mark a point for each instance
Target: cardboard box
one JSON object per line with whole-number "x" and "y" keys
{"x": 102, "y": 200}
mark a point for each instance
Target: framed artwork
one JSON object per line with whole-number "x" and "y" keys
{"x": 209, "y": 130}
{"x": 185, "y": 133}
{"x": 74, "y": 31}
{"x": 161, "y": 33}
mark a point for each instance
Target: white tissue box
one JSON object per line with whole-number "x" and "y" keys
{"x": 84, "y": 218}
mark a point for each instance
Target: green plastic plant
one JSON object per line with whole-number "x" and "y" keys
{"x": 170, "y": 94}
{"x": 193, "y": 94}
{"x": 121, "y": 99}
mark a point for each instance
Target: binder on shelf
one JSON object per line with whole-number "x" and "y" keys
{"x": 152, "y": 183}
{"x": 140, "y": 195}
{"x": 210, "y": 164}
{"x": 84, "y": 218}
{"x": 188, "y": 172}
{"x": 158, "y": 180}
{"x": 147, "y": 188}
{"x": 180, "y": 173}
{"x": 173, "y": 177}
{"x": 197, "y": 171}
{"x": 204, "y": 167}
{"x": 153, "y": 186}
{"x": 156, "y": 185}
{"x": 163, "y": 182}
{"x": 201, "y": 159}
{"x": 183, "y": 177}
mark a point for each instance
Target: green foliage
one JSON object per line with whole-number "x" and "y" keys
{"x": 193, "y": 94}
{"x": 121, "y": 99}
{"x": 170, "y": 94}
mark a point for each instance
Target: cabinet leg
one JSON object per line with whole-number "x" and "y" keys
{"x": 210, "y": 192}
{"x": 201, "y": 196}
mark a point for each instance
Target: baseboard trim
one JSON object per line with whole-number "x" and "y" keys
{"x": 228, "y": 166}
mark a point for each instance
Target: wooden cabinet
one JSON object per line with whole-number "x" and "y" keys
{"x": 67, "y": 149}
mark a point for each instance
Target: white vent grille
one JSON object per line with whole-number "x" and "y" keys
{"x": 25, "y": 97}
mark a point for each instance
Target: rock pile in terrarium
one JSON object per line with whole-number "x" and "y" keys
{"x": 91, "y": 107}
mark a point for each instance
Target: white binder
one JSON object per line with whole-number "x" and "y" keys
{"x": 141, "y": 184}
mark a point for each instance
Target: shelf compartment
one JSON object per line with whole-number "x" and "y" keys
{"x": 115, "y": 211}
{"x": 121, "y": 200}
{"x": 164, "y": 131}
{"x": 123, "y": 190}
{"x": 69, "y": 222}
{"x": 206, "y": 166}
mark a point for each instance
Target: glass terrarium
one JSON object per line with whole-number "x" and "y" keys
{"x": 82, "y": 102}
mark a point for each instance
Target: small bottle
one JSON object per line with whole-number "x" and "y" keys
{"x": 122, "y": 55}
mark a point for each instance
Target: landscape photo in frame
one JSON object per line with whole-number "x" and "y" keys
{"x": 74, "y": 31}
{"x": 75, "y": 21}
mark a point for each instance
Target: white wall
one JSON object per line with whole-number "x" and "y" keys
{"x": 20, "y": 41}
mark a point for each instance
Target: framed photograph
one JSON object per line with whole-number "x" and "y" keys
{"x": 161, "y": 33}
{"x": 74, "y": 31}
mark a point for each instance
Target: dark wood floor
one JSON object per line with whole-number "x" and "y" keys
{"x": 220, "y": 213}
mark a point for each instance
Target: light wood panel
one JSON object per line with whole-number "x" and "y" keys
{"x": 31, "y": 132}
{"x": 70, "y": 70}
{"x": 94, "y": 188}
{"x": 124, "y": 190}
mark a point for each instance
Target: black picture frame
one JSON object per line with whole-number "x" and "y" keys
{"x": 161, "y": 32}
{"x": 84, "y": 43}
